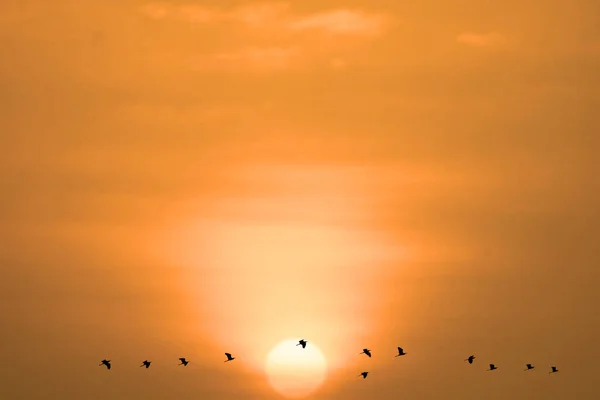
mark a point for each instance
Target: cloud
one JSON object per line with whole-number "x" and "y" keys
{"x": 340, "y": 22}
{"x": 187, "y": 12}
{"x": 259, "y": 15}
{"x": 269, "y": 15}
{"x": 273, "y": 37}
{"x": 196, "y": 13}
{"x": 481, "y": 39}
{"x": 155, "y": 10}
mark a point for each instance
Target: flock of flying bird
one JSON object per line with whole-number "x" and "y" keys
{"x": 302, "y": 342}
{"x": 182, "y": 361}
{"x": 528, "y": 367}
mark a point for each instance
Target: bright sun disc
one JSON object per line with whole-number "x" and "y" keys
{"x": 295, "y": 372}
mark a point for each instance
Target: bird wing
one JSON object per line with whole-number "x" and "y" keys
{"x": 228, "y": 355}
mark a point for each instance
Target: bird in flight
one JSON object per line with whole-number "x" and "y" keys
{"x": 146, "y": 364}
{"x": 366, "y": 351}
{"x": 302, "y": 343}
{"x": 229, "y": 358}
{"x": 364, "y": 374}
{"x": 554, "y": 369}
{"x": 400, "y": 352}
{"x": 470, "y": 359}
{"x": 105, "y": 362}
{"x": 183, "y": 362}
{"x": 492, "y": 367}
{"x": 529, "y": 367}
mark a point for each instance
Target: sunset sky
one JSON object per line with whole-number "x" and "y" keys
{"x": 188, "y": 178}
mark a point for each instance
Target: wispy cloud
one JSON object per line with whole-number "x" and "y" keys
{"x": 197, "y": 13}
{"x": 268, "y": 15}
{"x": 155, "y": 10}
{"x": 340, "y": 22}
{"x": 188, "y": 12}
{"x": 481, "y": 39}
{"x": 277, "y": 38}
{"x": 258, "y": 15}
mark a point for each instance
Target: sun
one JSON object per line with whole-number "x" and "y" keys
{"x": 295, "y": 372}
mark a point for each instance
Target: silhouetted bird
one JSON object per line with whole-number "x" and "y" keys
{"x": 364, "y": 374}
{"x": 400, "y": 352}
{"x": 105, "y": 362}
{"x": 529, "y": 367}
{"x": 492, "y": 367}
{"x": 183, "y": 362}
{"x": 229, "y": 358}
{"x": 302, "y": 343}
{"x": 470, "y": 359}
{"x": 554, "y": 369}
{"x": 146, "y": 364}
{"x": 366, "y": 351}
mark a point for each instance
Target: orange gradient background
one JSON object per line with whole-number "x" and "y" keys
{"x": 188, "y": 178}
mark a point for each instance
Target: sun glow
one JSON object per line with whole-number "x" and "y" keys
{"x": 295, "y": 372}
{"x": 296, "y": 256}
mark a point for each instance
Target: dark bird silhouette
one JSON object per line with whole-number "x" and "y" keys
{"x": 183, "y": 362}
{"x": 492, "y": 367}
{"x": 302, "y": 343}
{"x": 366, "y": 351}
{"x": 529, "y": 367}
{"x": 400, "y": 352}
{"x": 146, "y": 364}
{"x": 470, "y": 359}
{"x": 364, "y": 374}
{"x": 229, "y": 358}
{"x": 105, "y": 362}
{"x": 554, "y": 369}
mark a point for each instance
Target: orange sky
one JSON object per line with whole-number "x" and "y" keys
{"x": 185, "y": 178}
